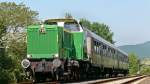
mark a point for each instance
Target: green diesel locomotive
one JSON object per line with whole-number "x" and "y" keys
{"x": 63, "y": 49}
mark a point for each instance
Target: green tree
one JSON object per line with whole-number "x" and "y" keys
{"x": 13, "y": 20}
{"x": 14, "y": 17}
{"x": 100, "y": 29}
{"x": 85, "y": 23}
{"x": 145, "y": 66}
{"x": 133, "y": 64}
{"x": 145, "y": 69}
{"x": 6, "y": 69}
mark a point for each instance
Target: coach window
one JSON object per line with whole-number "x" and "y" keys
{"x": 126, "y": 58}
{"x": 107, "y": 50}
{"x": 96, "y": 47}
{"x": 100, "y": 48}
{"x": 114, "y": 53}
{"x": 94, "y": 42}
{"x": 103, "y": 49}
{"x": 110, "y": 52}
{"x": 101, "y": 52}
{"x": 117, "y": 55}
{"x": 100, "y": 44}
{"x": 122, "y": 57}
{"x": 103, "y": 46}
{"x": 119, "y": 58}
{"x": 106, "y": 54}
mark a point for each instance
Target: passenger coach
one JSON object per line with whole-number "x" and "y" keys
{"x": 110, "y": 59}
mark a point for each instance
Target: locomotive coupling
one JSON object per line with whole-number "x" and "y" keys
{"x": 25, "y": 63}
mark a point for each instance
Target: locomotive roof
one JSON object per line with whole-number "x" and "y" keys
{"x": 104, "y": 41}
{"x": 61, "y": 20}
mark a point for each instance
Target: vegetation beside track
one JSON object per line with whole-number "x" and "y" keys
{"x": 13, "y": 20}
{"x": 137, "y": 66}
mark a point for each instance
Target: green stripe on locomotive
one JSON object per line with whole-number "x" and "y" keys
{"x": 73, "y": 45}
{"x": 43, "y": 44}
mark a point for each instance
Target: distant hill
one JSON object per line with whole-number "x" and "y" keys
{"x": 141, "y": 50}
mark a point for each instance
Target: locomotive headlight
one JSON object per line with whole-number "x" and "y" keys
{"x": 56, "y": 63}
{"x": 25, "y": 63}
{"x": 28, "y": 56}
{"x": 56, "y": 55}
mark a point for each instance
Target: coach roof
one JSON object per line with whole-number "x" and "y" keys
{"x": 104, "y": 41}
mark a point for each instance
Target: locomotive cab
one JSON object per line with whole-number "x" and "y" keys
{"x": 72, "y": 36}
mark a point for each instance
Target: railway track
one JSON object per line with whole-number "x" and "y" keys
{"x": 118, "y": 80}
{"x": 54, "y": 82}
{"x": 134, "y": 80}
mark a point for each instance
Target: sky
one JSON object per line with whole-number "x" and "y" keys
{"x": 129, "y": 20}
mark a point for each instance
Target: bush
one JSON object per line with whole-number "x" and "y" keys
{"x": 6, "y": 76}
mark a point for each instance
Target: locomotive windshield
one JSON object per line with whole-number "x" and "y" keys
{"x": 52, "y": 23}
{"x": 72, "y": 26}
